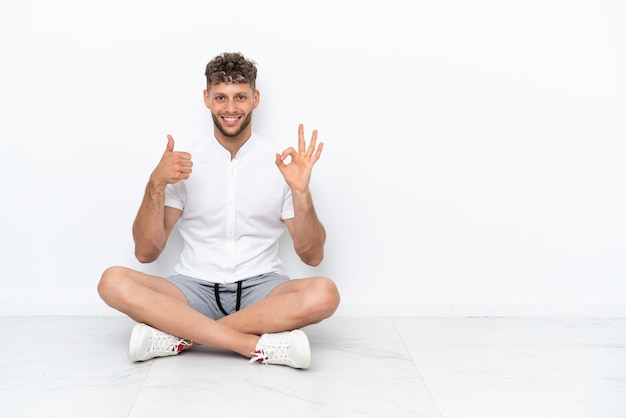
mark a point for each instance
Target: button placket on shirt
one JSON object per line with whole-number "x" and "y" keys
{"x": 233, "y": 166}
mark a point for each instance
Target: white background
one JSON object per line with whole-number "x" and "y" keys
{"x": 474, "y": 160}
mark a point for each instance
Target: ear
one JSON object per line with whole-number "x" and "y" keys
{"x": 257, "y": 98}
{"x": 207, "y": 101}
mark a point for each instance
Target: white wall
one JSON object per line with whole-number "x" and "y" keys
{"x": 475, "y": 150}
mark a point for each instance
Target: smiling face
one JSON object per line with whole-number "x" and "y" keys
{"x": 231, "y": 106}
{"x": 231, "y": 95}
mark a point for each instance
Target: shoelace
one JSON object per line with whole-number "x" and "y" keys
{"x": 166, "y": 343}
{"x": 260, "y": 356}
{"x": 276, "y": 354}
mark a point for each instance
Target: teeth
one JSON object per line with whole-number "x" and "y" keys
{"x": 230, "y": 119}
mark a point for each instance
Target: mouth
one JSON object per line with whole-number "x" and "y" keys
{"x": 230, "y": 120}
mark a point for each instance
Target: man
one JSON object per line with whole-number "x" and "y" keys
{"x": 232, "y": 198}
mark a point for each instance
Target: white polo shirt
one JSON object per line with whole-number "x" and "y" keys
{"x": 233, "y": 212}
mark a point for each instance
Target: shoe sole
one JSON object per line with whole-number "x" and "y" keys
{"x": 303, "y": 339}
{"x": 134, "y": 342}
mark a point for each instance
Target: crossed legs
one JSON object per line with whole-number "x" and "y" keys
{"x": 157, "y": 302}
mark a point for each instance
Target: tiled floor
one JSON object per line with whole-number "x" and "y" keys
{"x": 362, "y": 367}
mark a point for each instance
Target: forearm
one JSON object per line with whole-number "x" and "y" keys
{"x": 309, "y": 234}
{"x": 149, "y": 231}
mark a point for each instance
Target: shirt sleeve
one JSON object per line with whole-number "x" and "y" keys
{"x": 287, "y": 211}
{"x": 173, "y": 196}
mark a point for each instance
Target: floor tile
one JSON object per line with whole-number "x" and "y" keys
{"x": 521, "y": 360}
{"x": 277, "y": 392}
{"x": 77, "y": 397}
{"x": 511, "y": 330}
{"x": 532, "y": 397}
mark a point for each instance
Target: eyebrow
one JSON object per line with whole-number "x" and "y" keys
{"x": 237, "y": 93}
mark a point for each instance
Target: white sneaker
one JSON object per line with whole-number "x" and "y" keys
{"x": 289, "y": 348}
{"x": 147, "y": 342}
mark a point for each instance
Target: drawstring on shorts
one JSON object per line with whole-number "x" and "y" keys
{"x": 216, "y": 287}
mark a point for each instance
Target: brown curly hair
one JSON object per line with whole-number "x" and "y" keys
{"x": 230, "y": 67}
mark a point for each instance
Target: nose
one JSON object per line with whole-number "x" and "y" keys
{"x": 231, "y": 106}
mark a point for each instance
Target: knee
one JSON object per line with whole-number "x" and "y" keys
{"x": 111, "y": 284}
{"x": 327, "y": 298}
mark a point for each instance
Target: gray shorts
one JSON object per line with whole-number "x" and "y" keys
{"x": 217, "y": 300}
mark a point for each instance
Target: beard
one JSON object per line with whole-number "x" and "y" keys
{"x": 218, "y": 123}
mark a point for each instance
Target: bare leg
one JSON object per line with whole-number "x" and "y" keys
{"x": 293, "y": 304}
{"x": 158, "y": 303}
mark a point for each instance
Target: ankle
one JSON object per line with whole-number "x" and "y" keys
{"x": 250, "y": 346}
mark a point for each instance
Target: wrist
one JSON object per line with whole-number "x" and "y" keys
{"x": 301, "y": 193}
{"x": 155, "y": 188}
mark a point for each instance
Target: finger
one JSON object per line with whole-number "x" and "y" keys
{"x": 183, "y": 163}
{"x": 301, "y": 138}
{"x": 288, "y": 152}
{"x": 318, "y": 152}
{"x": 311, "y": 148}
{"x": 184, "y": 155}
{"x": 170, "y": 144}
{"x": 279, "y": 160}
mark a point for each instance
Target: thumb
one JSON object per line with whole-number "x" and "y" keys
{"x": 170, "y": 144}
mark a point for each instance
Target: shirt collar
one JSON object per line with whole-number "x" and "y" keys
{"x": 245, "y": 148}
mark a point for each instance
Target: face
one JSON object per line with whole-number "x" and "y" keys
{"x": 231, "y": 108}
